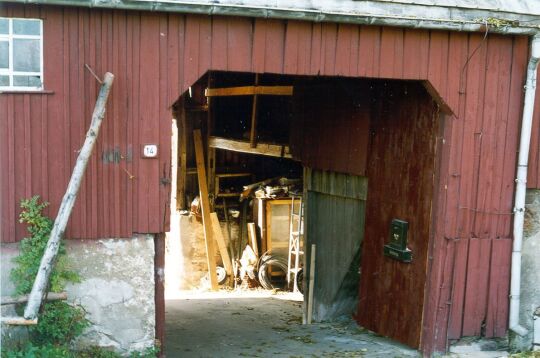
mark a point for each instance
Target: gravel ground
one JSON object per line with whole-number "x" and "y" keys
{"x": 263, "y": 324}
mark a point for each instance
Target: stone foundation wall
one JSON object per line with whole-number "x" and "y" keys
{"x": 530, "y": 271}
{"x": 116, "y": 290}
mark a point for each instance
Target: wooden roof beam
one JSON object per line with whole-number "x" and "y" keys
{"x": 272, "y": 150}
{"x": 249, "y": 91}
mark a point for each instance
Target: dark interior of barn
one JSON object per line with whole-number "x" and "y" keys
{"x": 287, "y": 162}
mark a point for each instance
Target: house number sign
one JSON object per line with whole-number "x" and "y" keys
{"x": 150, "y": 151}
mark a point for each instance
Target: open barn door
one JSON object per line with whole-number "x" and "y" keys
{"x": 401, "y": 167}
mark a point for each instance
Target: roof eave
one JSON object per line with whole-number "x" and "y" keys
{"x": 421, "y": 22}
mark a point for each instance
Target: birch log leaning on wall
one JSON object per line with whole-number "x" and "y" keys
{"x": 47, "y": 261}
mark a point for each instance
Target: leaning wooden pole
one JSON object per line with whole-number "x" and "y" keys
{"x": 47, "y": 261}
{"x": 205, "y": 208}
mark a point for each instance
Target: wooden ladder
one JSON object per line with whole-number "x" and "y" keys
{"x": 296, "y": 232}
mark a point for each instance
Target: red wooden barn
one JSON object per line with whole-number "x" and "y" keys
{"x": 425, "y": 101}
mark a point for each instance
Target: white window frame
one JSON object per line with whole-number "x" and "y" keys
{"x": 9, "y": 71}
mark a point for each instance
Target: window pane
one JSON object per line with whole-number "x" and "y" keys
{"x": 27, "y": 81}
{"x": 4, "y": 26}
{"x": 26, "y": 27}
{"x": 26, "y": 56}
{"x": 4, "y": 81}
{"x": 4, "y": 54}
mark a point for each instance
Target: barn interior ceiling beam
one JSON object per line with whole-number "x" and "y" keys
{"x": 272, "y": 150}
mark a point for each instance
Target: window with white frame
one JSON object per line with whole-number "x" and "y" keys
{"x": 21, "y": 54}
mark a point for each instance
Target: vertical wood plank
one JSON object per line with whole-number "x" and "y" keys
{"x": 415, "y": 54}
{"x": 391, "y": 60}
{"x": 316, "y": 45}
{"x": 503, "y": 129}
{"x": 304, "y": 48}
{"x": 458, "y": 44}
{"x": 240, "y": 44}
{"x": 533, "y": 175}
{"x": 346, "y": 49}
{"x": 191, "y": 58}
{"x": 292, "y": 47}
{"x": 222, "y": 245}
{"x": 328, "y": 49}
{"x": 517, "y": 81}
{"x": 487, "y": 143}
{"x": 438, "y": 57}
{"x": 458, "y": 289}
{"x": 164, "y": 134}
{"x": 369, "y": 51}
{"x": 473, "y": 96}
{"x": 159, "y": 295}
{"x": 259, "y": 45}
{"x": 205, "y": 209}
{"x": 499, "y": 282}
{"x": 275, "y": 47}
{"x": 474, "y": 310}
{"x": 219, "y": 43}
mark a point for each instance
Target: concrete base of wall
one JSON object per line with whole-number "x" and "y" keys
{"x": 530, "y": 271}
{"x": 116, "y": 290}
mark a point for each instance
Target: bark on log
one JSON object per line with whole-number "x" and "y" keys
{"x": 49, "y": 257}
{"x": 51, "y": 296}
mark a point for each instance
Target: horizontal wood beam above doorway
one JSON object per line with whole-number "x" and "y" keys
{"x": 249, "y": 91}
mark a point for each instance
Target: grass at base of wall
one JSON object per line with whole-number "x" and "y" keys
{"x": 54, "y": 351}
{"x": 530, "y": 354}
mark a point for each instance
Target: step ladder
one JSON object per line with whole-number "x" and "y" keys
{"x": 296, "y": 233}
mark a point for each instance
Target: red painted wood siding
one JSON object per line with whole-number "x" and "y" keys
{"x": 156, "y": 56}
{"x": 330, "y": 125}
{"x": 402, "y": 158}
{"x": 42, "y": 133}
{"x": 533, "y": 179}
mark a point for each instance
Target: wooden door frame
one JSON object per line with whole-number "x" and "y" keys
{"x": 438, "y": 288}
{"x": 159, "y": 293}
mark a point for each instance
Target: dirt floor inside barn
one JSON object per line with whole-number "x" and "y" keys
{"x": 263, "y": 324}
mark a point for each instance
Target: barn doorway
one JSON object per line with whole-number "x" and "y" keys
{"x": 352, "y": 156}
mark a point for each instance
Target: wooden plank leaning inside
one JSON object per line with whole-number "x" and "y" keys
{"x": 252, "y": 233}
{"x": 205, "y": 208}
{"x": 222, "y": 245}
{"x": 66, "y": 206}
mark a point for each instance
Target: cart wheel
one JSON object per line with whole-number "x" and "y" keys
{"x": 300, "y": 280}
{"x": 221, "y": 275}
